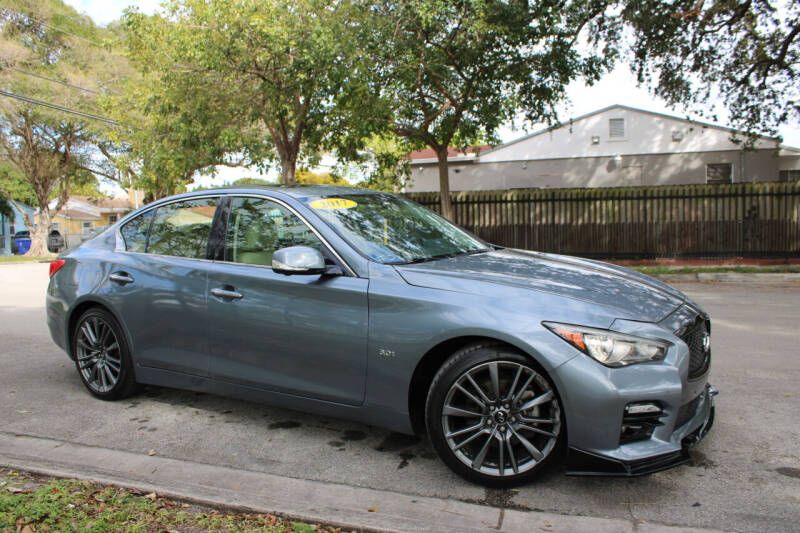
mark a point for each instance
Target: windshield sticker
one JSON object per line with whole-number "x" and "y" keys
{"x": 333, "y": 203}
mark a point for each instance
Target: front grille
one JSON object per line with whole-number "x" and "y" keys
{"x": 687, "y": 411}
{"x": 699, "y": 356}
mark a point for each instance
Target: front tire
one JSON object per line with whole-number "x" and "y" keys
{"x": 493, "y": 416}
{"x": 102, "y": 356}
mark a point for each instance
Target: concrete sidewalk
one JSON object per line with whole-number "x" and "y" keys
{"x": 311, "y": 501}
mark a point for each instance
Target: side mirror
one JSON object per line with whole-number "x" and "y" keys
{"x": 298, "y": 260}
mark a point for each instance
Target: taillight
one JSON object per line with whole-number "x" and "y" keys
{"x": 55, "y": 266}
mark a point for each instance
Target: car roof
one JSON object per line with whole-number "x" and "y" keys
{"x": 297, "y": 190}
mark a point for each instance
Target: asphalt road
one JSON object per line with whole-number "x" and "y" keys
{"x": 745, "y": 476}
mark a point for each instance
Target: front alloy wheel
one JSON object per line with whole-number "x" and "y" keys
{"x": 493, "y": 416}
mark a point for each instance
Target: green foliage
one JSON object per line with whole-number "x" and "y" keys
{"x": 384, "y": 164}
{"x": 5, "y": 208}
{"x": 450, "y": 73}
{"x": 324, "y": 178}
{"x": 266, "y": 79}
{"x": 43, "y": 41}
{"x": 17, "y": 187}
{"x": 746, "y": 54}
{"x": 251, "y": 181}
{"x": 70, "y": 505}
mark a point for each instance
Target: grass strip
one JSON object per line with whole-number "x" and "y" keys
{"x": 31, "y": 503}
{"x": 744, "y": 269}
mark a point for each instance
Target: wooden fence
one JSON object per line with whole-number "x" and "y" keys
{"x": 737, "y": 220}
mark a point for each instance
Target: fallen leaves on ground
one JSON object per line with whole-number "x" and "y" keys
{"x": 50, "y": 504}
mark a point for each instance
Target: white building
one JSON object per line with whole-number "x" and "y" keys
{"x": 614, "y": 146}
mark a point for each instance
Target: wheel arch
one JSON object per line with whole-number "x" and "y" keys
{"x": 79, "y": 309}
{"x": 433, "y": 359}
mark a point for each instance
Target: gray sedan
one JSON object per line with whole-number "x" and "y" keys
{"x": 362, "y": 305}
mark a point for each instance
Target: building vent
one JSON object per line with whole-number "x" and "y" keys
{"x": 595, "y": 139}
{"x": 717, "y": 173}
{"x": 616, "y": 128}
{"x": 677, "y": 136}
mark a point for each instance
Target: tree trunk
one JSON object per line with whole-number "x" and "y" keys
{"x": 39, "y": 234}
{"x": 444, "y": 184}
{"x": 287, "y": 170}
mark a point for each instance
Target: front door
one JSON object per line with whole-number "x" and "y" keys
{"x": 300, "y": 335}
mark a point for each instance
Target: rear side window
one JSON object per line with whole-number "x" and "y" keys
{"x": 258, "y": 227}
{"x": 134, "y": 232}
{"x": 181, "y": 229}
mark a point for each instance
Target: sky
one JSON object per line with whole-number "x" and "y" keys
{"x": 617, "y": 87}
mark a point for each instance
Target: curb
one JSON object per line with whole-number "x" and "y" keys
{"x": 734, "y": 277}
{"x": 300, "y": 499}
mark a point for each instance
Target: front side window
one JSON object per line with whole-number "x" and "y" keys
{"x": 134, "y": 232}
{"x": 258, "y": 227}
{"x": 181, "y": 229}
{"x": 389, "y": 229}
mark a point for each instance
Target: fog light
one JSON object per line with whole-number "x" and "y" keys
{"x": 642, "y": 409}
{"x": 639, "y": 421}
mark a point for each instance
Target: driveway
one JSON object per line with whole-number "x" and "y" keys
{"x": 745, "y": 476}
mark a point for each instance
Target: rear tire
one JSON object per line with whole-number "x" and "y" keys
{"x": 102, "y": 356}
{"x": 493, "y": 416}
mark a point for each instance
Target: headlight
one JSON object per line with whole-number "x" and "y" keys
{"x": 609, "y": 347}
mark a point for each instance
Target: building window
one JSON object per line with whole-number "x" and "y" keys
{"x": 87, "y": 227}
{"x": 616, "y": 128}
{"x": 112, "y": 219}
{"x": 789, "y": 175}
{"x": 717, "y": 173}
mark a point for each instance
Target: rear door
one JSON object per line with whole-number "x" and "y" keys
{"x": 300, "y": 335}
{"x": 159, "y": 284}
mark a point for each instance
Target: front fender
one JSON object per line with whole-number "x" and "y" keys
{"x": 406, "y": 322}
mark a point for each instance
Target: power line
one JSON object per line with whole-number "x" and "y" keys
{"x": 35, "y": 75}
{"x": 59, "y": 108}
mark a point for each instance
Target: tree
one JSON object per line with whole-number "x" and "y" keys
{"x": 744, "y": 53}
{"x": 15, "y": 185}
{"x": 314, "y": 178}
{"x": 50, "y": 54}
{"x": 449, "y": 73}
{"x": 170, "y": 133}
{"x": 5, "y": 208}
{"x": 384, "y": 164}
{"x": 279, "y": 69}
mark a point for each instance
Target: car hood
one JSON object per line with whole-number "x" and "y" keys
{"x": 635, "y": 296}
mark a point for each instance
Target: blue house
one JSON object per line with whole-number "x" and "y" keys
{"x": 9, "y": 226}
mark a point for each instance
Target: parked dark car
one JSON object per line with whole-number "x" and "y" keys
{"x": 363, "y": 305}
{"x": 55, "y": 241}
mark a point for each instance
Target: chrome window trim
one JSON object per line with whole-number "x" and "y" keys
{"x": 120, "y": 242}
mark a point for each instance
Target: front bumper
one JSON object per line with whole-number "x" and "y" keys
{"x": 584, "y": 463}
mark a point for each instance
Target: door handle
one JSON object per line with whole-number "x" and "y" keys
{"x": 121, "y": 277}
{"x": 225, "y": 293}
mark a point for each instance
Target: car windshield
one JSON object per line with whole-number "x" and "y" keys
{"x": 392, "y": 230}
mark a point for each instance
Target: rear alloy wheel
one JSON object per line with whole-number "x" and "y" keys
{"x": 102, "y": 356}
{"x": 493, "y": 416}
